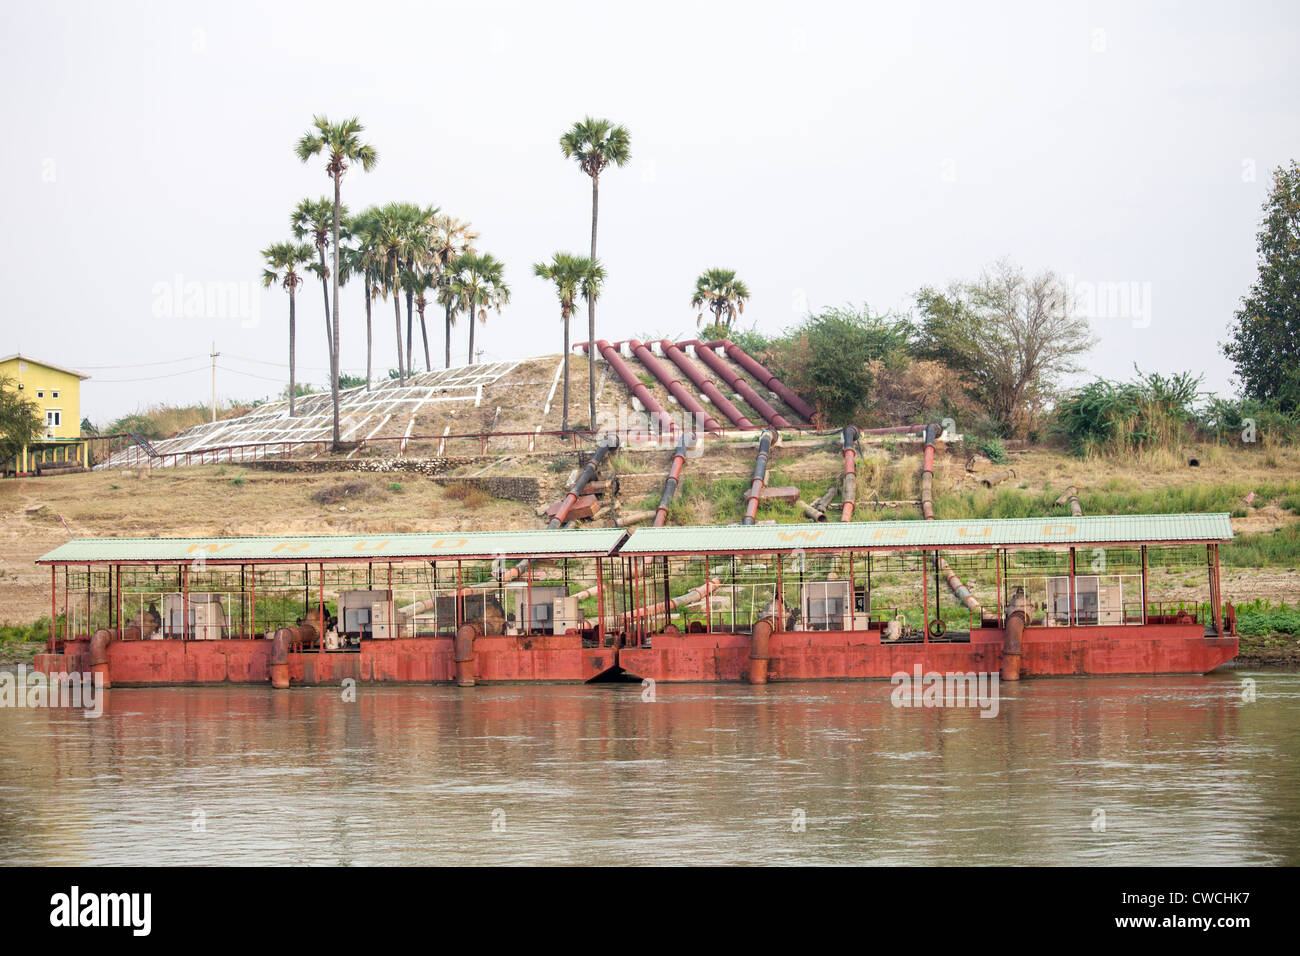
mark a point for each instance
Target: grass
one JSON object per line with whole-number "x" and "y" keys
{"x": 468, "y": 496}
{"x": 1267, "y": 549}
{"x": 1263, "y": 618}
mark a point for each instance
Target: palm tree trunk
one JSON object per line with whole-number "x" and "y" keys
{"x": 369, "y": 341}
{"x": 448, "y": 340}
{"x": 397, "y": 322}
{"x": 424, "y": 334}
{"x": 410, "y": 329}
{"x": 564, "y": 419}
{"x": 334, "y": 280}
{"x": 292, "y": 335}
{"x": 325, "y": 294}
{"x": 471, "y": 335}
{"x": 591, "y": 313}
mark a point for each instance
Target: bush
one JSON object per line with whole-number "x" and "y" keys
{"x": 469, "y": 497}
{"x": 339, "y": 491}
{"x": 1262, "y": 618}
{"x": 991, "y": 448}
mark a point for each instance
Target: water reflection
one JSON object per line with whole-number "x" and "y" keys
{"x": 1182, "y": 769}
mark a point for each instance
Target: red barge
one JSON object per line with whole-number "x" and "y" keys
{"x": 846, "y": 601}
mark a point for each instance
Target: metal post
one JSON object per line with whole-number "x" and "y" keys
{"x": 1074, "y": 617}
{"x": 1144, "y": 584}
{"x": 925, "y": 603}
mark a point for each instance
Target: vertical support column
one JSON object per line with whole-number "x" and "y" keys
{"x": 53, "y": 616}
{"x": 925, "y": 603}
{"x": 600, "y": 602}
{"x": 998, "y": 558}
{"x": 780, "y": 595}
{"x": 1212, "y": 556}
{"x": 1144, "y": 584}
{"x": 320, "y": 636}
{"x": 1074, "y": 617}
{"x": 252, "y": 603}
{"x": 853, "y": 597}
{"x": 708, "y": 605}
{"x": 185, "y": 599}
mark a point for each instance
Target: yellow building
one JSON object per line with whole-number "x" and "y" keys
{"x": 56, "y": 391}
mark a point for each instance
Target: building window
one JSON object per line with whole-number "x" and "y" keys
{"x": 40, "y": 393}
{"x": 54, "y": 394}
{"x": 53, "y": 418}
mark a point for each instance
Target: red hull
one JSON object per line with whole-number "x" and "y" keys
{"x": 794, "y": 656}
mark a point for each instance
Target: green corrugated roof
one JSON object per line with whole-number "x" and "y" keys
{"x": 994, "y": 532}
{"x": 469, "y": 544}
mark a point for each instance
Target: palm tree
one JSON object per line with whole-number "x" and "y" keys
{"x": 594, "y": 144}
{"x": 480, "y": 286}
{"x": 283, "y": 260}
{"x": 573, "y": 276}
{"x": 342, "y": 146}
{"x": 450, "y": 239}
{"x": 721, "y": 293}
{"x": 396, "y": 242}
{"x": 314, "y": 218}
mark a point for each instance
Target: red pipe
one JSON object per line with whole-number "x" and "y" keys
{"x": 603, "y": 448}
{"x": 760, "y": 651}
{"x": 610, "y": 354}
{"x": 760, "y": 475}
{"x": 849, "y": 493}
{"x": 674, "y": 385}
{"x": 760, "y": 405}
{"x": 700, "y": 381}
{"x": 463, "y": 654}
{"x": 670, "y": 486}
{"x": 766, "y": 378}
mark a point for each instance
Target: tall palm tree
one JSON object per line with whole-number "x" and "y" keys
{"x": 481, "y": 286}
{"x": 314, "y": 218}
{"x": 450, "y": 239}
{"x": 573, "y": 276}
{"x": 721, "y": 293}
{"x": 342, "y": 147}
{"x": 594, "y": 144}
{"x": 397, "y": 242}
{"x": 283, "y": 262}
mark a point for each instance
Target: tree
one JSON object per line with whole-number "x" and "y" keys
{"x": 397, "y": 239}
{"x": 314, "y": 218}
{"x": 452, "y": 238}
{"x": 1013, "y": 337}
{"x": 572, "y": 276}
{"x": 20, "y": 420}
{"x": 1264, "y": 339}
{"x": 283, "y": 262}
{"x": 364, "y": 257}
{"x": 719, "y": 291}
{"x": 481, "y": 285}
{"x": 827, "y": 359}
{"x": 342, "y": 146}
{"x": 594, "y": 144}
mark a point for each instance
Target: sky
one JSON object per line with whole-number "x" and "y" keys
{"x": 829, "y": 153}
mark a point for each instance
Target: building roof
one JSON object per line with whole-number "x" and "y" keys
{"x": 953, "y": 534}
{"x": 336, "y": 548}
{"x": 34, "y": 361}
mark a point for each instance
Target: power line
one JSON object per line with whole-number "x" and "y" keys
{"x": 147, "y": 378}
{"x": 174, "y": 361}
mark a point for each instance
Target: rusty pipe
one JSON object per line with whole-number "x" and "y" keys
{"x": 817, "y": 510}
{"x": 675, "y": 388}
{"x": 766, "y": 378}
{"x": 760, "y": 476}
{"x": 693, "y": 596}
{"x": 1071, "y": 497}
{"x": 651, "y": 404}
{"x": 684, "y": 444}
{"x": 719, "y": 367}
{"x": 463, "y": 654}
{"x": 760, "y": 651}
{"x": 998, "y": 477}
{"x": 1017, "y": 621}
{"x": 627, "y": 519}
{"x": 603, "y": 448}
{"x": 99, "y": 654}
{"x": 959, "y": 590}
{"x": 281, "y": 641}
{"x": 849, "y": 440}
{"x": 707, "y": 388}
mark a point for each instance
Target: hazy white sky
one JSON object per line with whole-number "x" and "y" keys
{"x": 827, "y": 152}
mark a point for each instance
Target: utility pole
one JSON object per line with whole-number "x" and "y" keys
{"x": 215, "y": 353}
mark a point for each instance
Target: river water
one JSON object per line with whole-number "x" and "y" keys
{"x": 1172, "y": 770}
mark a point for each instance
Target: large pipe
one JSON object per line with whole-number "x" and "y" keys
{"x": 652, "y": 406}
{"x": 710, "y": 391}
{"x": 99, "y": 654}
{"x": 760, "y": 651}
{"x": 674, "y": 475}
{"x": 281, "y": 641}
{"x": 1017, "y": 621}
{"x": 463, "y": 653}
{"x": 817, "y": 510}
{"x": 693, "y": 596}
{"x": 766, "y": 378}
{"x": 1071, "y": 497}
{"x": 760, "y": 476}
{"x": 675, "y": 388}
{"x": 603, "y": 448}
{"x": 719, "y": 367}
{"x": 849, "y": 438}
{"x": 959, "y": 590}
{"x": 998, "y": 477}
